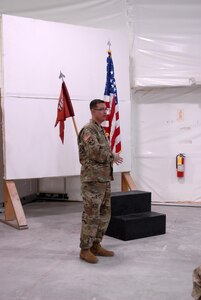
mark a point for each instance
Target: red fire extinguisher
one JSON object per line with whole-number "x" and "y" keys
{"x": 180, "y": 160}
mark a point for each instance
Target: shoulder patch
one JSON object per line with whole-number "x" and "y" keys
{"x": 86, "y": 137}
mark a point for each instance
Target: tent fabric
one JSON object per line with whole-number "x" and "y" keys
{"x": 165, "y": 40}
{"x": 165, "y": 78}
{"x": 165, "y": 59}
{"x": 95, "y": 13}
{"x": 166, "y": 122}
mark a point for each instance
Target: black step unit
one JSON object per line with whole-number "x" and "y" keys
{"x": 124, "y": 203}
{"x": 135, "y": 226}
{"x": 132, "y": 218}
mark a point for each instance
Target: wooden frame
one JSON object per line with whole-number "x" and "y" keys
{"x": 12, "y": 203}
{"x": 13, "y": 207}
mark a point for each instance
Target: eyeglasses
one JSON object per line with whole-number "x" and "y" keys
{"x": 101, "y": 109}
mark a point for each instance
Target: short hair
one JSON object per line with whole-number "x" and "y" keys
{"x": 94, "y": 102}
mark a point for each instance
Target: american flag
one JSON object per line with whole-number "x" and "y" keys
{"x": 112, "y": 123}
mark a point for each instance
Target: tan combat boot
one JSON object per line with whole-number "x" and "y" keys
{"x": 88, "y": 256}
{"x": 97, "y": 249}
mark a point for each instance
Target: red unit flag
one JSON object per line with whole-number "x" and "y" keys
{"x": 64, "y": 110}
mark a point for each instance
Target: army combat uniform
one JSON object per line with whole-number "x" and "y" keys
{"x": 196, "y": 293}
{"x": 96, "y": 159}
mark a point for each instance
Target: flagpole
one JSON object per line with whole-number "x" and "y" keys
{"x": 75, "y": 126}
{"x": 109, "y": 45}
{"x": 62, "y": 76}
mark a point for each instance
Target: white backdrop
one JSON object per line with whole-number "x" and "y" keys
{"x": 33, "y": 54}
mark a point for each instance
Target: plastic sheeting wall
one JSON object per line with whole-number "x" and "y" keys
{"x": 96, "y": 13}
{"x": 165, "y": 41}
{"x": 167, "y": 121}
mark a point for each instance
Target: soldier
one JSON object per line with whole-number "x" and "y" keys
{"x": 196, "y": 293}
{"x": 97, "y": 160}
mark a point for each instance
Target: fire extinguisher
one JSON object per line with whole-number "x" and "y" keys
{"x": 180, "y": 160}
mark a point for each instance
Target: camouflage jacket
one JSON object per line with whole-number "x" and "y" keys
{"x": 95, "y": 155}
{"x": 196, "y": 292}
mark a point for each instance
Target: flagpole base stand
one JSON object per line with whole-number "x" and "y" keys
{"x": 127, "y": 183}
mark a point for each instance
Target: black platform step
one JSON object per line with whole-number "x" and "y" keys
{"x": 124, "y": 203}
{"x": 135, "y": 226}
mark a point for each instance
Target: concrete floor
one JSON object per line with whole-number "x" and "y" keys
{"x": 42, "y": 263}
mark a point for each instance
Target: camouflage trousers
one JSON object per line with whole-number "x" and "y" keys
{"x": 96, "y": 212}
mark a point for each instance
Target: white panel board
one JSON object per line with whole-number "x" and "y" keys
{"x": 33, "y": 54}
{"x": 35, "y": 51}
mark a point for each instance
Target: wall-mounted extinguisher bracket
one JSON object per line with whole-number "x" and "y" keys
{"x": 180, "y": 162}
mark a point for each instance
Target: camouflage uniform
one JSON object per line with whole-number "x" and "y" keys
{"x": 196, "y": 293}
{"x": 96, "y": 159}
